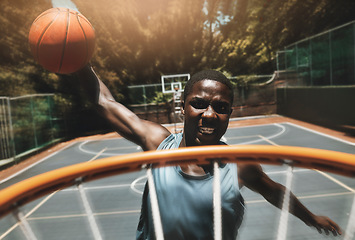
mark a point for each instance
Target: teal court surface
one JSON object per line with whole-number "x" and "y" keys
{"x": 115, "y": 201}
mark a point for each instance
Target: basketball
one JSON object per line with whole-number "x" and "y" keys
{"x": 62, "y": 40}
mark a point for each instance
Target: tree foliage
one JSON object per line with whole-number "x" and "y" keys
{"x": 139, "y": 40}
{"x": 259, "y": 28}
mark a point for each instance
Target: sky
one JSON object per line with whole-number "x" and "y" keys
{"x": 64, "y": 3}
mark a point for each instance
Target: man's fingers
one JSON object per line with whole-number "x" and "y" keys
{"x": 335, "y": 228}
{"x": 325, "y": 225}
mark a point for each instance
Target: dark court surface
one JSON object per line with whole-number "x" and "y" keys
{"x": 115, "y": 201}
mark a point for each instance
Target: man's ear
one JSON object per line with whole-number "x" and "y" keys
{"x": 230, "y": 113}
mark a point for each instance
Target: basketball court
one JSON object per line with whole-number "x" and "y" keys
{"x": 115, "y": 201}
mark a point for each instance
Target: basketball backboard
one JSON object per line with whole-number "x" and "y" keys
{"x": 173, "y": 83}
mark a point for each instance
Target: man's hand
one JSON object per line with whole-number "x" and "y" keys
{"x": 324, "y": 224}
{"x": 254, "y": 178}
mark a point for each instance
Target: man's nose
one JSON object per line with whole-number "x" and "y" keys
{"x": 209, "y": 112}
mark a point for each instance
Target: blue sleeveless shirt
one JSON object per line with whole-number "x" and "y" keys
{"x": 186, "y": 202}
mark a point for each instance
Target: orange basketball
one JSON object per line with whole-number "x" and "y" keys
{"x": 62, "y": 40}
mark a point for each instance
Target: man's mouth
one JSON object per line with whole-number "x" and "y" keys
{"x": 206, "y": 130}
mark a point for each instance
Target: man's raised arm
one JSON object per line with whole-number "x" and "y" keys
{"x": 144, "y": 133}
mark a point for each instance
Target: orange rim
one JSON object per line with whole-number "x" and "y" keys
{"x": 37, "y": 186}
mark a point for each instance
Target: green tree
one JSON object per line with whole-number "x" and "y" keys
{"x": 259, "y": 28}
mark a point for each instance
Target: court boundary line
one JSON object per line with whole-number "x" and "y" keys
{"x": 262, "y": 138}
{"x": 84, "y": 215}
{"x": 43, "y": 201}
{"x": 36, "y": 163}
{"x": 326, "y": 175}
{"x": 340, "y": 183}
{"x": 320, "y": 133}
{"x": 325, "y": 195}
{"x": 249, "y": 202}
{"x": 256, "y": 125}
{"x": 234, "y": 119}
{"x": 81, "y": 148}
{"x": 301, "y": 127}
{"x": 283, "y": 129}
{"x": 115, "y": 186}
{"x": 134, "y": 211}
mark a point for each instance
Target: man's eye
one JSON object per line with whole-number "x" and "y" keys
{"x": 199, "y": 104}
{"x": 221, "y": 108}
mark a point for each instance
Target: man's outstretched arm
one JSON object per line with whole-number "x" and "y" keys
{"x": 253, "y": 177}
{"x": 144, "y": 133}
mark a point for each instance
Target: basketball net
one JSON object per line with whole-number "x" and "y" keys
{"x": 30, "y": 189}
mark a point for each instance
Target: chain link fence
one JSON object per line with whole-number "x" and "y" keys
{"x": 27, "y": 123}
{"x": 325, "y": 59}
{"x": 254, "y": 95}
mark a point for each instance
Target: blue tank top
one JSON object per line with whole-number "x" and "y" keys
{"x": 186, "y": 202}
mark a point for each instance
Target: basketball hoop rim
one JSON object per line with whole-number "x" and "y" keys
{"x": 37, "y": 186}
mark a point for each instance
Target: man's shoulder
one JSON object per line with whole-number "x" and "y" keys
{"x": 154, "y": 135}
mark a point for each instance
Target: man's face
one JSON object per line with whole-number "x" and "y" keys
{"x": 207, "y": 110}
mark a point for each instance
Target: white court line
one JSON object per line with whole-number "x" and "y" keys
{"x": 284, "y": 171}
{"x": 283, "y": 129}
{"x": 81, "y": 148}
{"x": 334, "y": 138}
{"x": 121, "y": 148}
{"x": 28, "y": 214}
{"x": 350, "y": 228}
{"x": 237, "y": 119}
{"x": 103, "y": 187}
{"x": 40, "y": 204}
{"x": 134, "y": 211}
{"x": 88, "y": 210}
{"x": 267, "y": 140}
{"x": 320, "y": 172}
{"x": 84, "y": 215}
{"x": 34, "y": 164}
{"x": 322, "y": 134}
{"x": 325, "y": 195}
{"x": 134, "y": 183}
{"x": 336, "y": 181}
{"x": 284, "y": 216}
{"x": 9, "y": 230}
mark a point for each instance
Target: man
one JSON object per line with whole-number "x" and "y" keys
{"x": 185, "y": 192}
